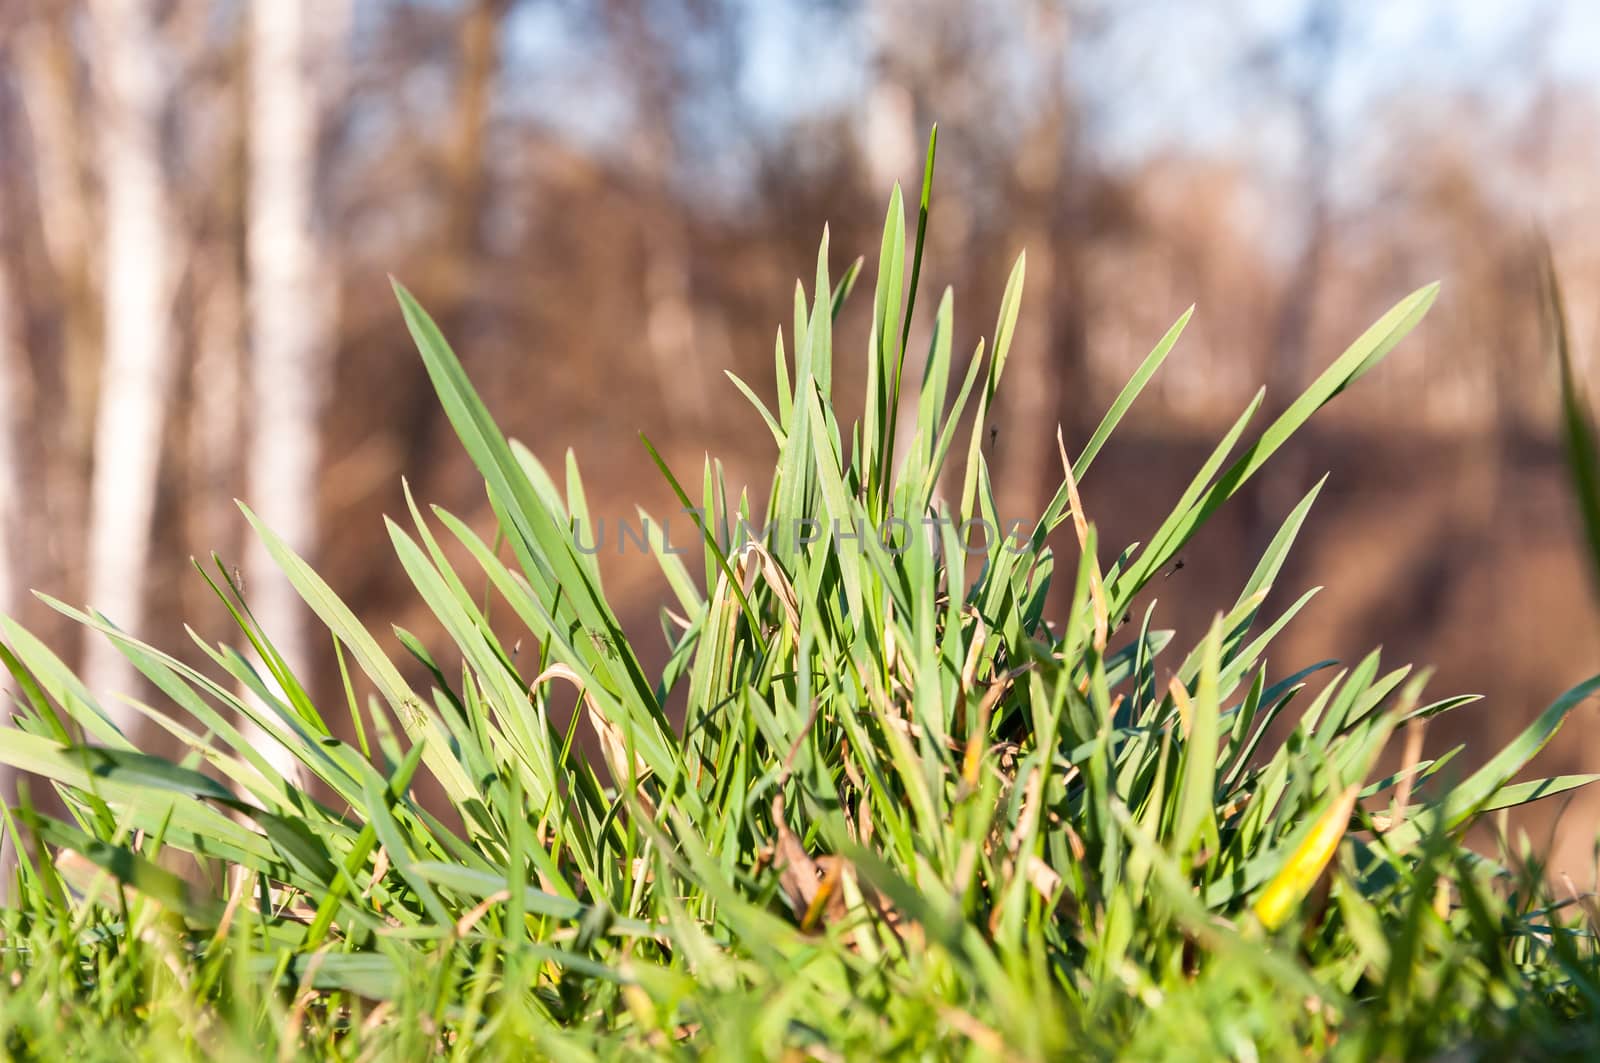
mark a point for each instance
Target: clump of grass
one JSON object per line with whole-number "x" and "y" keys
{"x": 904, "y": 815}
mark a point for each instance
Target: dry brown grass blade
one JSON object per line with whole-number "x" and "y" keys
{"x": 465, "y": 924}
{"x": 980, "y": 636}
{"x": 293, "y": 1025}
{"x": 1039, "y": 874}
{"x": 1408, "y": 765}
{"x": 902, "y": 677}
{"x": 822, "y": 891}
{"x": 1029, "y": 817}
{"x": 242, "y": 882}
{"x": 775, "y": 579}
{"x": 1589, "y": 904}
{"x": 986, "y": 1039}
{"x": 79, "y": 872}
{"x": 380, "y": 868}
{"x": 827, "y": 895}
{"x": 1044, "y": 878}
{"x": 891, "y": 647}
{"x": 798, "y": 873}
{"x": 612, "y": 744}
{"x": 1180, "y": 699}
{"x": 977, "y": 740}
{"x": 1080, "y": 524}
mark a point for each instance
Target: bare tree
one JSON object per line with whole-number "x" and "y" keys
{"x": 12, "y": 363}
{"x": 13, "y": 398}
{"x": 9, "y": 495}
{"x": 1051, "y": 359}
{"x": 137, "y": 370}
{"x": 290, "y": 312}
{"x": 478, "y": 42}
{"x": 46, "y": 67}
{"x": 451, "y": 274}
{"x": 1314, "y": 47}
{"x": 888, "y": 131}
{"x": 215, "y": 424}
{"x": 1304, "y": 63}
{"x": 670, "y": 319}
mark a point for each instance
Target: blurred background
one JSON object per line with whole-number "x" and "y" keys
{"x": 605, "y": 204}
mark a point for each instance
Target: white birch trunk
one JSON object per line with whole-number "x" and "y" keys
{"x": 11, "y": 404}
{"x": 61, "y": 134}
{"x": 887, "y": 140}
{"x": 1045, "y": 348}
{"x": 138, "y": 360}
{"x": 888, "y": 128}
{"x": 290, "y": 312}
{"x": 13, "y": 400}
{"x": 217, "y": 382}
{"x": 46, "y": 90}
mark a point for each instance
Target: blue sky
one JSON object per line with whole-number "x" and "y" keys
{"x": 1166, "y": 74}
{"x": 1403, "y": 47}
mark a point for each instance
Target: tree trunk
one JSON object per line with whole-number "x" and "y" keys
{"x": 463, "y": 163}
{"x": 888, "y": 129}
{"x": 290, "y": 313}
{"x": 46, "y": 70}
{"x": 1049, "y": 359}
{"x": 136, "y": 372}
{"x": 666, "y": 279}
{"x": 888, "y": 144}
{"x": 1287, "y": 477}
{"x": 15, "y": 401}
{"x": 452, "y": 270}
{"x": 216, "y": 423}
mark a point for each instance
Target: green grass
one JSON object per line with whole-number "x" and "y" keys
{"x": 911, "y": 809}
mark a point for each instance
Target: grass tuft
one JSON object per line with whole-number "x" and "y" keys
{"x": 905, "y": 813}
